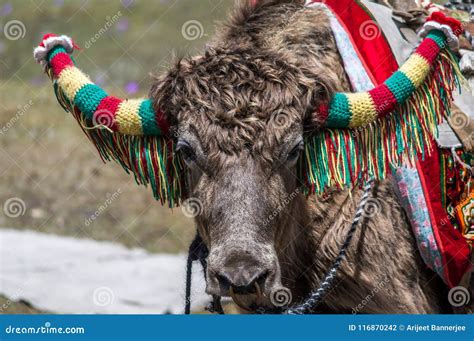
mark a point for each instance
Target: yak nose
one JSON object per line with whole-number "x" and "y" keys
{"x": 242, "y": 277}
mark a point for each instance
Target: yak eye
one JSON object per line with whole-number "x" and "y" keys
{"x": 186, "y": 151}
{"x": 295, "y": 152}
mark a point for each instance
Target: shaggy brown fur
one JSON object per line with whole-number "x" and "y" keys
{"x": 240, "y": 110}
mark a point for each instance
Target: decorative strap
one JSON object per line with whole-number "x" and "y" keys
{"x": 355, "y": 67}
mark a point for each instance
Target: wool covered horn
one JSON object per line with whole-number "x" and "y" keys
{"x": 368, "y": 134}
{"x": 354, "y": 110}
{"x": 128, "y": 131}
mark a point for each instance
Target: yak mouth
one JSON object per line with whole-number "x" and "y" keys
{"x": 257, "y": 302}
{"x": 248, "y": 300}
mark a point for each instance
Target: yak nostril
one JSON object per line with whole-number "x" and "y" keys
{"x": 241, "y": 280}
{"x": 262, "y": 277}
{"x": 223, "y": 281}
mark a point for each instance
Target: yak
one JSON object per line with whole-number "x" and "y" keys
{"x": 235, "y": 121}
{"x": 240, "y": 111}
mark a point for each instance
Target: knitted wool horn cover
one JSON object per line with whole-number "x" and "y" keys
{"x": 391, "y": 124}
{"x": 126, "y": 116}
{"x": 128, "y": 131}
{"x": 352, "y": 110}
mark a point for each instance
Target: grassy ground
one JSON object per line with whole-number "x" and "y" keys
{"x": 20, "y": 307}
{"x": 46, "y": 161}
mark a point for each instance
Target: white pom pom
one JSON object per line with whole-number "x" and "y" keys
{"x": 41, "y": 52}
{"x": 451, "y": 39}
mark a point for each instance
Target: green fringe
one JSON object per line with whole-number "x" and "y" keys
{"x": 344, "y": 158}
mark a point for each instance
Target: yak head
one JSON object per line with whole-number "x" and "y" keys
{"x": 239, "y": 113}
{"x": 239, "y": 118}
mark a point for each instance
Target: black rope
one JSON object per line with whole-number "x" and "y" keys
{"x": 316, "y": 296}
{"x": 189, "y": 273}
{"x": 198, "y": 251}
{"x": 216, "y": 306}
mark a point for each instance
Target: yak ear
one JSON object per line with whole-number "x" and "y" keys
{"x": 129, "y": 131}
{"x": 366, "y": 135}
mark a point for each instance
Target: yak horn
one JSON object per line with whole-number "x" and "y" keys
{"x": 128, "y": 131}
{"x": 401, "y": 116}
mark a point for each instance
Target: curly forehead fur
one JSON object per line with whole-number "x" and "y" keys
{"x": 250, "y": 87}
{"x": 237, "y": 94}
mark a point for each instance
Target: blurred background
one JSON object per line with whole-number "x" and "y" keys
{"x": 52, "y": 181}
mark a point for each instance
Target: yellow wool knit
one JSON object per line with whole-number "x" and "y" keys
{"x": 127, "y": 119}
{"x": 71, "y": 80}
{"x": 416, "y": 68}
{"x": 363, "y": 109}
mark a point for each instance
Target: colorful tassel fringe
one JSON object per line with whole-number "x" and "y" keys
{"x": 151, "y": 159}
